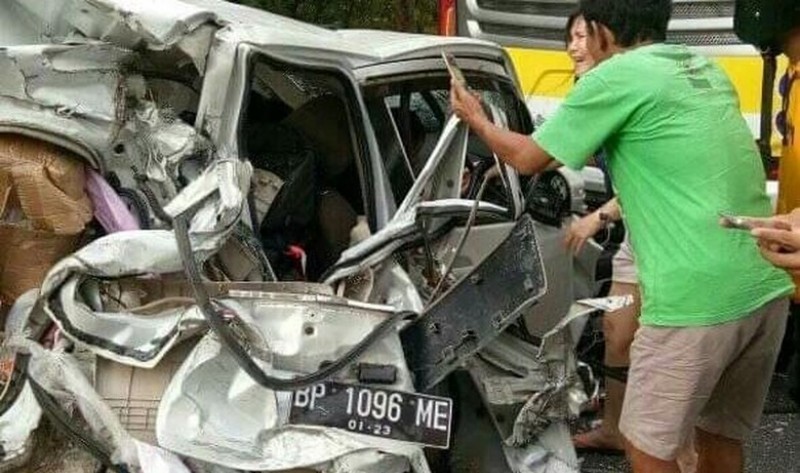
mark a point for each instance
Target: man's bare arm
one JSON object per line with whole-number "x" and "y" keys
{"x": 516, "y": 149}
{"x": 612, "y": 209}
{"x": 581, "y": 230}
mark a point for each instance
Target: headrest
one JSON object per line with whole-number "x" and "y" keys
{"x": 323, "y": 120}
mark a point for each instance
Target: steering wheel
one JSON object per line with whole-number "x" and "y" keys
{"x": 477, "y": 166}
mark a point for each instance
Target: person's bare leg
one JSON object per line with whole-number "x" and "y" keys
{"x": 619, "y": 328}
{"x": 718, "y": 454}
{"x": 687, "y": 457}
{"x": 644, "y": 463}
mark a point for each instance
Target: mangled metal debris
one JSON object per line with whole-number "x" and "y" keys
{"x": 20, "y": 414}
{"x": 244, "y": 217}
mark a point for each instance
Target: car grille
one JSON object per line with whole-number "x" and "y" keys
{"x": 694, "y": 38}
{"x": 680, "y": 10}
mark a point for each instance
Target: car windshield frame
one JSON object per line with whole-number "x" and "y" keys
{"x": 389, "y": 99}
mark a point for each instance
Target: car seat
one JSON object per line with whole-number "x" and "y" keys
{"x": 323, "y": 121}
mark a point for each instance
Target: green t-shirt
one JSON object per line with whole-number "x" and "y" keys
{"x": 679, "y": 152}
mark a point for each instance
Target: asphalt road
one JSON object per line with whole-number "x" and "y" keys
{"x": 774, "y": 448}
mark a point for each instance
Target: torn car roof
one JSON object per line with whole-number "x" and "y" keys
{"x": 161, "y": 25}
{"x": 361, "y": 47}
{"x": 156, "y": 24}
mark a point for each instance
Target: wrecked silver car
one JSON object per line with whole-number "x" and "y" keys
{"x": 232, "y": 241}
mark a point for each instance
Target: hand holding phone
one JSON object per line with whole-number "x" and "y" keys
{"x": 455, "y": 71}
{"x": 749, "y": 223}
{"x": 734, "y": 222}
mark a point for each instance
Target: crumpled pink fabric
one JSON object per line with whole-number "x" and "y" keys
{"x": 109, "y": 208}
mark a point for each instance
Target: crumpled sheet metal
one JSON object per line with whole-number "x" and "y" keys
{"x": 17, "y": 425}
{"x": 137, "y": 340}
{"x": 164, "y": 143}
{"x": 223, "y": 186}
{"x": 213, "y": 411}
{"x": 82, "y": 80}
{"x": 516, "y": 375}
{"x": 552, "y": 452}
{"x": 578, "y": 314}
{"x": 125, "y": 337}
{"x": 19, "y": 421}
{"x": 83, "y": 97}
{"x": 35, "y": 95}
{"x": 375, "y": 461}
{"x": 18, "y": 318}
{"x": 551, "y": 404}
{"x": 157, "y": 25}
{"x": 563, "y": 395}
{"x": 537, "y": 386}
{"x": 61, "y": 376}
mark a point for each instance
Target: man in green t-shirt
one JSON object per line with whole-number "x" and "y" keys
{"x": 679, "y": 153}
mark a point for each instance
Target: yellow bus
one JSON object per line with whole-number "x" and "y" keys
{"x": 532, "y": 31}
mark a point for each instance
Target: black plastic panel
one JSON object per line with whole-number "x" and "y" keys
{"x": 477, "y": 309}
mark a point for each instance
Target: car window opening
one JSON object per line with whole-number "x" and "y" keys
{"x": 409, "y": 114}
{"x": 297, "y": 133}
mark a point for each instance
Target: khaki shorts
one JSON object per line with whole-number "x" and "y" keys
{"x": 715, "y": 378}
{"x": 623, "y": 266}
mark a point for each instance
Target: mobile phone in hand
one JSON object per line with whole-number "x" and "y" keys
{"x": 748, "y": 223}
{"x": 734, "y": 222}
{"x": 455, "y": 71}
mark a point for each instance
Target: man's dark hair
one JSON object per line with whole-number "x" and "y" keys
{"x": 631, "y": 21}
